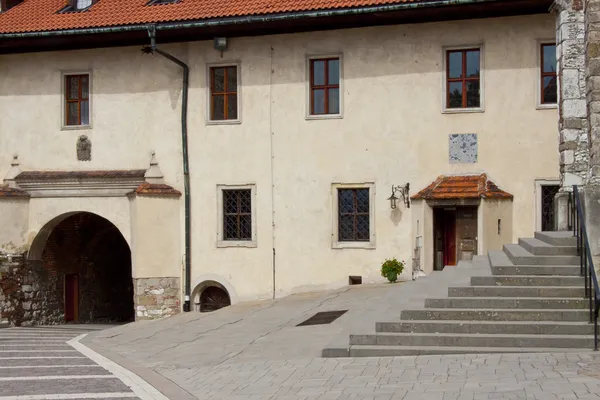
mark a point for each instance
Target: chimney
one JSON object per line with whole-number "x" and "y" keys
{"x": 6, "y": 5}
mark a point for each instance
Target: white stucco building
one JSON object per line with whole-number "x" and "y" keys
{"x": 295, "y": 137}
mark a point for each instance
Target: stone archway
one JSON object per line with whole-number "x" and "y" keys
{"x": 210, "y": 296}
{"x": 80, "y": 267}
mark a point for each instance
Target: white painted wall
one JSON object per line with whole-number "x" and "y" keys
{"x": 393, "y": 131}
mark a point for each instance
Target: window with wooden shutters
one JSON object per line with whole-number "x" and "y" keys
{"x": 325, "y": 86}
{"x": 463, "y": 78}
{"x": 353, "y": 215}
{"x": 224, "y": 99}
{"x": 237, "y": 214}
{"x": 549, "y": 88}
{"x": 77, "y": 100}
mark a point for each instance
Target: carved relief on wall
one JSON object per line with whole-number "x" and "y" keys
{"x": 84, "y": 149}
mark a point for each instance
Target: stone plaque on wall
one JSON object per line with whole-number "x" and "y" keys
{"x": 462, "y": 148}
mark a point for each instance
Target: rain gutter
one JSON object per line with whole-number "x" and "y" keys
{"x": 265, "y": 18}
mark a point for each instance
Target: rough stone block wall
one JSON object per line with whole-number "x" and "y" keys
{"x": 11, "y": 295}
{"x": 157, "y": 297}
{"x": 592, "y": 52}
{"x": 573, "y": 123}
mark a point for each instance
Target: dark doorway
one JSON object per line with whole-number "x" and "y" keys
{"x": 71, "y": 297}
{"x": 455, "y": 235}
{"x": 214, "y": 298}
{"x": 547, "y": 209}
{"x": 86, "y": 265}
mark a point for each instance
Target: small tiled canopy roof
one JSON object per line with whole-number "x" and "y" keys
{"x": 6, "y": 191}
{"x": 462, "y": 187}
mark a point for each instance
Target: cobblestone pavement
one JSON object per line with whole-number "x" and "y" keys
{"x": 38, "y": 363}
{"x": 569, "y": 376}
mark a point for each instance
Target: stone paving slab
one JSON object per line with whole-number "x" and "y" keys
{"x": 17, "y": 372}
{"x": 33, "y": 387}
{"x": 46, "y": 361}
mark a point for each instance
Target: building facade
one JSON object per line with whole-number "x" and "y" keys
{"x": 295, "y": 141}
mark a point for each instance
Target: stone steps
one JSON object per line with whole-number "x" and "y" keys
{"x": 489, "y": 327}
{"x": 515, "y": 314}
{"x": 507, "y": 302}
{"x": 398, "y": 351}
{"x": 472, "y": 340}
{"x": 527, "y": 280}
{"x": 517, "y": 291}
{"x": 533, "y": 301}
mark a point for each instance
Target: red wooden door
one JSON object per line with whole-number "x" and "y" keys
{"x": 449, "y": 237}
{"x": 71, "y": 297}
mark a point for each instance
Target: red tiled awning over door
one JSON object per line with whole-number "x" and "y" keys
{"x": 447, "y": 187}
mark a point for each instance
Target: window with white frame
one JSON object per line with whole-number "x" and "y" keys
{"x": 353, "y": 216}
{"x": 224, "y": 99}
{"x": 548, "y": 78}
{"x": 463, "y": 79}
{"x": 76, "y": 102}
{"x": 325, "y": 86}
{"x": 237, "y": 216}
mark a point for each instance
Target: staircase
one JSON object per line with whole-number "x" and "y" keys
{"x": 533, "y": 302}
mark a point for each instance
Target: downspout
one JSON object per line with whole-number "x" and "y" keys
{"x": 184, "y": 146}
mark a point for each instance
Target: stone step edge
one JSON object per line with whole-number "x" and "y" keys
{"x": 474, "y": 322}
{"x": 477, "y": 335}
{"x": 499, "y": 309}
{"x": 519, "y": 287}
{"x": 469, "y": 350}
{"x": 507, "y": 298}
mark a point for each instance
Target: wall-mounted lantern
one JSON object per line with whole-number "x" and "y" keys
{"x": 404, "y": 191}
{"x": 220, "y": 43}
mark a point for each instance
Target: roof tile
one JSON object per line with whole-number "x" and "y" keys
{"x": 462, "y": 187}
{"x": 155, "y": 189}
{"x": 41, "y": 15}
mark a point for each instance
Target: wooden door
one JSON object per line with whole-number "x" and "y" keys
{"x": 71, "y": 297}
{"x": 449, "y": 237}
{"x": 466, "y": 232}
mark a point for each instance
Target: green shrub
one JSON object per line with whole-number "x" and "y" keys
{"x": 391, "y": 268}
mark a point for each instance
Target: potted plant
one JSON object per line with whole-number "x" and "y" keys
{"x": 390, "y": 269}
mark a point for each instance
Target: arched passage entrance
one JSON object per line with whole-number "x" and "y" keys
{"x": 84, "y": 266}
{"x": 210, "y": 296}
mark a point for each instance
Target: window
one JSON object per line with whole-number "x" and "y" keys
{"x": 353, "y": 220}
{"x": 157, "y": 2}
{"x": 77, "y": 100}
{"x": 324, "y": 86}
{"x": 549, "y": 89}
{"x": 237, "y": 212}
{"x": 77, "y": 5}
{"x": 224, "y": 93}
{"x": 463, "y": 70}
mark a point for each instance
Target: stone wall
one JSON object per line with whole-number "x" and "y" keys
{"x": 11, "y": 296}
{"x": 157, "y": 297}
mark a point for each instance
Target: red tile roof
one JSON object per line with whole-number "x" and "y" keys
{"x": 462, "y": 187}
{"x": 41, "y": 15}
{"x": 156, "y": 189}
{"x": 6, "y": 191}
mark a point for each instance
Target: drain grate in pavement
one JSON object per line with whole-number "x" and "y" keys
{"x": 323, "y": 318}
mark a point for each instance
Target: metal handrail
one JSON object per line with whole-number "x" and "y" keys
{"x": 586, "y": 263}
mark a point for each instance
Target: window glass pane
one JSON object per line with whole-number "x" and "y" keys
{"x": 334, "y": 101}
{"x": 81, "y": 4}
{"x": 473, "y": 63}
{"x": 230, "y": 227}
{"x": 473, "y": 93}
{"x": 246, "y": 227}
{"x": 334, "y": 72}
{"x": 245, "y": 201}
{"x": 362, "y": 227}
{"x": 72, "y": 87}
{"x": 362, "y": 200}
{"x": 454, "y": 64}
{"x": 232, "y": 106}
{"x": 346, "y": 200}
{"x": 550, "y": 90}
{"x": 232, "y": 79}
{"x": 218, "y": 80}
{"x": 318, "y": 101}
{"x": 85, "y": 112}
{"x": 218, "y": 107}
{"x": 85, "y": 87}
{"x": 72, "y": 114}
{"x": 346, "y": 228}
{"x": 455, "y": 98}
{"x": 229, "y": 201}
{"x": 549, "y": 58}
{"x": 318, "y": 72}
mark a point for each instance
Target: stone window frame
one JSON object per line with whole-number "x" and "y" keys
{"x": 209, "y": 67}
{"x": 538, "y": 76}
{"x": 335, "y": 242}
{"x": 63, "y": 102}
{"x": 221, "y": 242}
{"x": 444, "y": 63}
{"x": 307, "y": 102}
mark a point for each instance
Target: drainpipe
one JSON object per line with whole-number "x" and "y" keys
{"x": 184, "y": 145}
